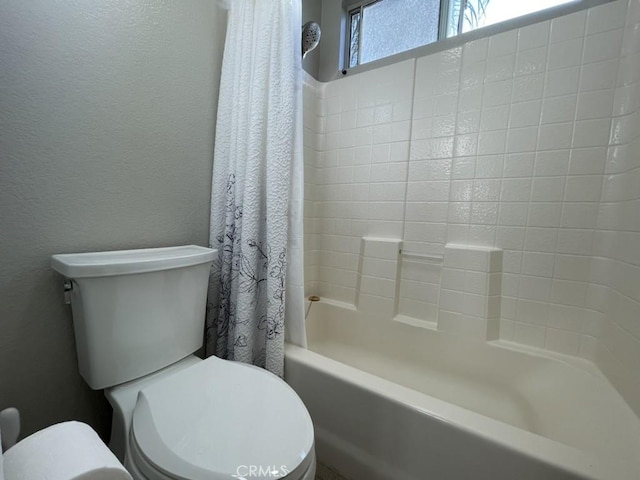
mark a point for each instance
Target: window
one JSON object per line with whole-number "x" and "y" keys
{"x": 380, "y": 28}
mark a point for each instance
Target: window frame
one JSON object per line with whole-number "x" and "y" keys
{"x": 358, "y": 7}
{"x": 443, "y": 42}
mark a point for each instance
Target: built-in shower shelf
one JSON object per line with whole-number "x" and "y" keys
{"x": 421, "y": 256}
{"x": 416, "y": 322}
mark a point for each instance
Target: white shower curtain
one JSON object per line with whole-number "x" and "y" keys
{"x": 256, "y": 285}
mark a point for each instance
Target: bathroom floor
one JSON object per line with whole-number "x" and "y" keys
{"x": 325, "y": 473}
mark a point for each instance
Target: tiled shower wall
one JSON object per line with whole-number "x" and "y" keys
{"x": 615, "y": 271}
{"x": 525, "y": 141}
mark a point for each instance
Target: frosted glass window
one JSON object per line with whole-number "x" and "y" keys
{"x": 381, "y": 28}
{"x": 394, "y": 26}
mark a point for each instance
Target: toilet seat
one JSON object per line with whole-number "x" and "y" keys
{"x": 216, "y": 416}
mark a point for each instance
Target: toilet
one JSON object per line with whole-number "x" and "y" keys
{"x": 138, "y": 319}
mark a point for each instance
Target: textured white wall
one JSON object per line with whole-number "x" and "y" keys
{"x": 107, "y": 112}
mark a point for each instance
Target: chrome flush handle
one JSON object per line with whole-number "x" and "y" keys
{"x": 68, "y": 286}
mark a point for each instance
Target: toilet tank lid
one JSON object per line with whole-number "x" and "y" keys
{"x": 124, "y": 262}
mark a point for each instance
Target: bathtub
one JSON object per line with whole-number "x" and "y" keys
{"x": 392, "y": 401}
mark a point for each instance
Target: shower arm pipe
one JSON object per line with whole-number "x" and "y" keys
{"x": 422, "y": 256}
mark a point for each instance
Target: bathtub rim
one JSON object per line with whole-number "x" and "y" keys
{"x": 520, "y": 441}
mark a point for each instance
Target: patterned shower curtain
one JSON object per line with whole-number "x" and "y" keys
{"x": 256, "y": 285}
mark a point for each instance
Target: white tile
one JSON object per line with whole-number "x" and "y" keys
{"x": 467, "y": 122}
{"x": 534, "y": 288}
{"x": 531, "y": 61}
{"x": 557, "y": 136}
{"x": 485, "y": 213}
{"x": 562, "y": 82}
{"x": 475, "y": 51}
{"x": 491, "y": 143}
{"x": 376, "y": 305}
{"x": 565, "y": 54}
{"x": 489, "y": 166}
{"x": 518, "y": 165}
{"x": 451, "y": 300}
{"x": 571, "y": 267}
{"x": 382, "y": 248}
{"x": 589, "y": 347}
{"x": 475, "y": 305}
{"x": 574, "y": 241}
{"x": 538, "y": 264}
{"x": 495, "y": 283}
{"x": 509, "y": 237}
{"x": 465, "y": 145}
{"x": 512, "y": 214}
{"x": 597, "y": 104}
{"x": 544, "y": 214}
{"x": 503, "y": 43}
{"x": 445, "y": 104}
{"x": 477, "y": 259}
{"x": 470, "y": 98}
{"x": 566, "y": 317}
{"x": 482, "y": 234}
{"x": 599, "y": 75}
{"x": 426, "y": 212}
{"x": 515, "y": 190}
{"x": 528, "y": 87}
{"x": 453, "y": 279}
{"x": 499, "y": 68}
{"x": 579, "y": 215}
{"x": 548, "y": 189}
{"x": 497, "y": 93}
{"x": 532, "y": 312}
{"x": 541, "y": 239}
{"x": 583, "y": 188}
{"x": 476, "y": 283}
{"x": 494, "y": 118}
{"x": 532, "y": 335}
{"x": 587, "y": 160}
{"x": 591, "y": 133}
{"x": 558, "y": 109}
{"x": 455, "y": 257}
{"x": 472, "y": 75}
{"x": 461, "y": 190}
{"x": 562, "y": 341}
{"x": 535, "y": 35}
{"x": 459, "y": 212}
{"x": 486, "y": 190}
{"x": 525, "y": 114}
{"x": 602, "y": 46}
{"x": 380, "y": 287}
{"x": 568, "y": 27}
{"x": 379, "y": 268}
{"x": 506, "y": 328}
{"x": 568, "y": 292}
{"x": 522, "y": 139}
{"x": 551, "y": 163}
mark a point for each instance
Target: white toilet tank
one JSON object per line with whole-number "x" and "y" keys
{"x": 135, "y": 311}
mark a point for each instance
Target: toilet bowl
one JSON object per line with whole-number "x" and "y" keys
{"x": 183, "y": 424}
{"x": 138, "y": 319}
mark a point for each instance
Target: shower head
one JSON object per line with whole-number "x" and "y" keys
{"x": 310, "y": 37}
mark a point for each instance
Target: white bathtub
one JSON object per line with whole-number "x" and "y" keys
{"x": 393, "y": 401}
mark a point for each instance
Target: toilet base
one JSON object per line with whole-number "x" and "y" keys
{"x": 152, "y": 474}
